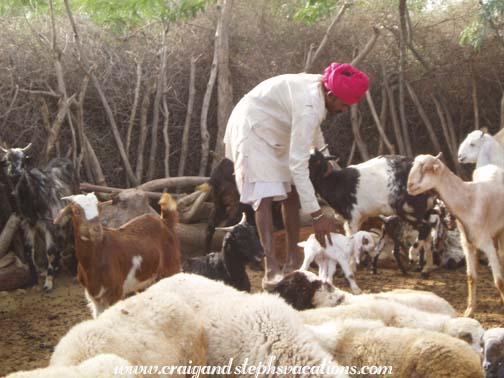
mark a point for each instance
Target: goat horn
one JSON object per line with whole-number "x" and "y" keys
{"x": 324, "y": 147}
{"x": 24, "y": 149}
{"x": 230, "y": 228}
{"x": 62, "y": 214}
{"x": 4, "y": 149}
{"x": 439, "y": 156}
{"x": 67, "y": 198}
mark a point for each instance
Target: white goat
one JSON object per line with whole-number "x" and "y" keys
{"x": 482, "y": 149}
{"x": 344, "y": 251}
{"x": 478, "y": 207}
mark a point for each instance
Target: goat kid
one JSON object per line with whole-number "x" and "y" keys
{"x": 113, "y": 262}
{"x": 37, "y": 194}
{"x": 240, "y": 246}
{"x": 345, "y": 251}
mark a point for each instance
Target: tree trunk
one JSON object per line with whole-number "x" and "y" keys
{"x": 224, "y": 85}
{"x": 313, "y": 57}
{"x": 108, "y": 110}
{"x": 474, "y": 96}
{"x": 188, "y": 119}
{"x": 356, "y": 123}
{"x": 95, "y": 163}
{"x": 395, "y": 121}
{"x": 425, "y": 118}
{"x": 383, "y": 117}
{"x": 381, "y": 131}
{"x": 502, "y": 112}
{"x": 166, "y": 138}
{"x": 205, "y": 137}
{"x": 157, "y": 101}
{"x": 144, "y": 112}
{"x": 134, "y": 107}
{"x": 402, "y": 64}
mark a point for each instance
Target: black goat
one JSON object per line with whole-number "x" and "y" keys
{"x": 240, "y": 246}
{"x": 227, "y": 205}
{"x": 362, "y": 191}
{"x": 38, "y": 198}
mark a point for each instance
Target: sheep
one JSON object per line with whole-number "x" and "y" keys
{"x": 402, "y": 316}
{"x": 115, "y": 262}
{"x": 249, "y": 328}
{"x": 493, "y": 353}
{"x": 146, "y": 329}
{"x": 362, "y": 191}
{"x": 241, "y": 245}
{"x": 481, "y": 225}
{"x": 304, "y": 290}
{"x": 99, "y": 366}
{"x": 402, "y": 352}
{"x": 482, "y": 149}
{"x": 344, "y": 250}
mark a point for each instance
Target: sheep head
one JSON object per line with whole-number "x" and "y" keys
{"x": 424, "y": 173}
{"x": 469, "y": 149}
{"x": 493, "y": 354}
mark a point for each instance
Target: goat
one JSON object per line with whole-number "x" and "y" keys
{"x": 37, "y": 194}
{"x": 481, "y": 224}
{"x": 240, "y": 246}
{"x": 226, "y": 199}
{"x": 493, "y": 353}
{"x": 344, "y": 250}
{"x": 482, "y": 149}
{"x": 377, "y": 186}
{"x": 114, "y": 262}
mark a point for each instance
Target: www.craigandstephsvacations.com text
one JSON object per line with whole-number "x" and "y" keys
{"x": 267, "y": 368}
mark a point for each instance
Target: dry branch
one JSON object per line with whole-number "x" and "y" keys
{"x": 356, "y": 123}
{"x": 187, "y": 124}
{"x": 369, "y": 46}
{"x": 172, "y": 182}
{"x": 402, "y": 64}
{"x": 134, "y": 106}
{"x": 7, "y": 233}
{"x": 144, "y": 112}
{"x": 166, "y": 138}
{"x": 379, "y": 126}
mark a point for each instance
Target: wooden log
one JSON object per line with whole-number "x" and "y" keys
{"x": 8, "y": 233}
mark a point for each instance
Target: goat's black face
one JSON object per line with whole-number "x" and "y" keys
{"x": 246, "y": 243}
{"x": 317, "y": 165}
{"x": 494, "y": 360}
{"x": 14, "y": 162}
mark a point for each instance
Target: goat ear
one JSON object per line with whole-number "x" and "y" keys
{"x": 302, "y": 244}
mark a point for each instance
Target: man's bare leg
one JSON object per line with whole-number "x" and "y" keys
{"x": 290, "y": 214}
{"x": 264, "y": 222}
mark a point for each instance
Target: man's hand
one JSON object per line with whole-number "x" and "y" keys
{"x": 323, "y": 225}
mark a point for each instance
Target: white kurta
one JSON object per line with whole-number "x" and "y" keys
{"x": 271, "y": 130}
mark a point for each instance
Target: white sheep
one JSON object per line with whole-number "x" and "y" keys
{"x": 402, "y": 316}
{"x": 481, "y": 224}
{"x": 482, "y": 149}
{"x": 252, "y": 328}
{"x": 304, "y": 290}
{"x": 345, "y": 251}
{"x": 100, "y": 366}
{"x": 145, "y": 329}
{"x": 493, "y": 353}
{"x": 407, "y": 352}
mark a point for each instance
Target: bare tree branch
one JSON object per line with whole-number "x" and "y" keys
{"x": 134, "y": 106}
{"x": 402, "y": 64}
{"x": 166, "y": 138}
{"x": 369, "y": 46}
{"x": 383, "y": 136}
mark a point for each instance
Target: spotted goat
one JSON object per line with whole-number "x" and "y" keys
{"x": 37, "y": 193}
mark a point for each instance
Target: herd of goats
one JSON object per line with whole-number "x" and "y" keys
{"x": 151, "y": 308}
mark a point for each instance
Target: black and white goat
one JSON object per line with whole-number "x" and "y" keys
{"x": 240, "y": 246}
{"x": 375, "y": 187}
{"x": 38, "y": 197}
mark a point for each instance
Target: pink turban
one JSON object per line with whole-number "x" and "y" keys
{"x": 345, "y": 82}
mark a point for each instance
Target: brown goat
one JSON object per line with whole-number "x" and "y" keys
{"x": 114, "y": 262}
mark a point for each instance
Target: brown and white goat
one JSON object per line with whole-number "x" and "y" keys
{"x": 114, "y": 262}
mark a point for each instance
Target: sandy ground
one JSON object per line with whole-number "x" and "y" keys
{"x": 31, "y": 322}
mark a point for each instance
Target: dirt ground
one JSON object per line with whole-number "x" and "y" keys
{"x": 32, "y": 322}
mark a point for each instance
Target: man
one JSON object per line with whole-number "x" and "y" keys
{"x": 269, "y": 136}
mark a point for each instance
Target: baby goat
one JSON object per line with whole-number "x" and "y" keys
{"x": 241, "y": 245}
{"x": 344, "y": 250}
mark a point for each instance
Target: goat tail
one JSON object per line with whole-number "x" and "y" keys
{"x": 205, "y": 187}
{"x": 169, "y": 211}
